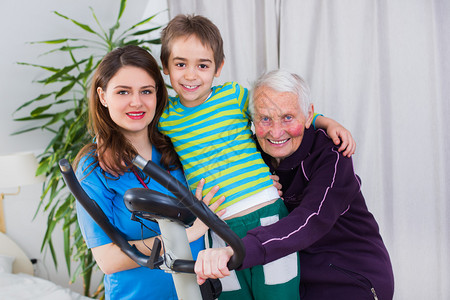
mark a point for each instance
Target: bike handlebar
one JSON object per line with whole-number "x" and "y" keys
{"x": 198, "y": 208}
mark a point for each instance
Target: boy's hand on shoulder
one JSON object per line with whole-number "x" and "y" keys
{"x": 338, "y": 134}
{"x": 342, "y": 136}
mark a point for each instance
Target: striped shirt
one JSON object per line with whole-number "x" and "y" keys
{"x": 214, "y": 141}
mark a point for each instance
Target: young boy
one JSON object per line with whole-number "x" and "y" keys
{"x": 210, "y": 130}
{"x": 209, "y": 127}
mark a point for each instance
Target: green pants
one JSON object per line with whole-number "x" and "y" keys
{"x": 277, "y": 280}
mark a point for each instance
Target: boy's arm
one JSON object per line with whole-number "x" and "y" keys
{"x": 337, "y": 133}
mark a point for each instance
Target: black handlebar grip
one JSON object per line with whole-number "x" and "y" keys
{"x": 198, "y": 208}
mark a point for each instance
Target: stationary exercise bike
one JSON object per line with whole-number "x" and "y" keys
{"x": 173, "y": 216}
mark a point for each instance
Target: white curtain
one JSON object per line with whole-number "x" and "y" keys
{"x": 250, "y": 39}
{"x": 381, "y": 68}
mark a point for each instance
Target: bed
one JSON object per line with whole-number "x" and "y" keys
{"x": 17, "y": 280}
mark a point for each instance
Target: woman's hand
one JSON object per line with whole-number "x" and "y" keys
{"x": 212, "y": 263}
{"x": 198, "y": 229}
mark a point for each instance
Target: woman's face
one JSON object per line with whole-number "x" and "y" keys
{"x": 130, "y": 97}
{"x": 279, "y": 122}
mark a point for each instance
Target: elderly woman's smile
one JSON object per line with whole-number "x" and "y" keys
{"x": 279, "y": 122}
{"x": 279, "y": 142}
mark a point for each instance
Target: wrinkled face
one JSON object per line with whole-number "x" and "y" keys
{"x": 130, "y": 97}
{"x": 279, "y": 122}
{"x": 191, "y": 69}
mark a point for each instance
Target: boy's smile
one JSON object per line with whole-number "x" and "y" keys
{"x": 191, "y": 69}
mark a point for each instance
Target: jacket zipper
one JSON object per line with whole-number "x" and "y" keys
{"x": 374, "y": 294}
{"x": 352, "y": 274}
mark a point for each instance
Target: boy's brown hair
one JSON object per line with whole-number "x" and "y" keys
{"x": 187, "y": 25}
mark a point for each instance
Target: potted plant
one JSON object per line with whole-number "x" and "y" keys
{"x": 63, "y": 112}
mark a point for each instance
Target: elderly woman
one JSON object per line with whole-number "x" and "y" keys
{"x": 342, "y": 255}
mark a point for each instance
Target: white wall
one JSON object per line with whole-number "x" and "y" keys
{"x": 24, "y": 21}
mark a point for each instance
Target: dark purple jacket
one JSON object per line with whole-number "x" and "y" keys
{"x": 342, "y": 255}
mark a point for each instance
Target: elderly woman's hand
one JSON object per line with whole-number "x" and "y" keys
{"x": 212, "y": 263}
{"x": 277, "y": 184}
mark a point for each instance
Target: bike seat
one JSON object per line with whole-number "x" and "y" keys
{"x": 153, "y": 205}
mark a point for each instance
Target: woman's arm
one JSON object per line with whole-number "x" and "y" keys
{"x": 332, "y": 186}
{"x": 111, "y": 259}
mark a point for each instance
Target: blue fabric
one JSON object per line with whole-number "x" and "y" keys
{"x": 314, "y": 120}
{"x": 138, "y": 283}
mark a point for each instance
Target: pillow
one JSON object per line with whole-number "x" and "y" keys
{"x": 6, "y": 263}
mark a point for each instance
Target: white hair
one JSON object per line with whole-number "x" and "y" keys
{"x": 283, "y": 81}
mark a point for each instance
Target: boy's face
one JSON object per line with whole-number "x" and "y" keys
{"x": 191, "y": 69}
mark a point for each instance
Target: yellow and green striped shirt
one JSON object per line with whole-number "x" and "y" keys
{"x": 214, "y": 141}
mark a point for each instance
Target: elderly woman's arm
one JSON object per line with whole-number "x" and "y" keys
{"x": 337, "y": 133}
{"x": 332, "y": 185}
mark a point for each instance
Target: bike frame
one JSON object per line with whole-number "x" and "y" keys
{"x": 172, "y": 215}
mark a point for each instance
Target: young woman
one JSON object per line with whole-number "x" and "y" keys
{"x": 128, "y": 96}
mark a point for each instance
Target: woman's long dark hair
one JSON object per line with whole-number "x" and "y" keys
{"x": 111, "y": 147}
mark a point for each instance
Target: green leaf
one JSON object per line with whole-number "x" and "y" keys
{"x": 38, "y": 98}
{"x": 145, "y": 21}
{"x": 65, "y": 49}
{"x": 67, "y": 251}
{"x": 61, "y": 72}
{"x": 65, "y": 89}
{"x": 50, "y": 227}
{"x": 33, "y": 118}
{"x": 139, "y": 42}
{"x": 43, "y": 166}
{"x": 123, "y": 4}
{"x": 62, "y": 210}
{"x": 57, "y": 117}
{"x": 142, "y": 32}
{"x": 37, "y": 111}
{"x": 57, "y": 139}
{"x": 50, "y": 187}
{"x": 25, "y": 130}
{"x": 154, "y": 41}
{"x": 52, "y": 251}
{"x": 82, "y": 26}
{"x": 51, "y": 69}
{"x": 104, "y": 38}
{"x": 88, "y": 67}
{"x": 58, "y": 41}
